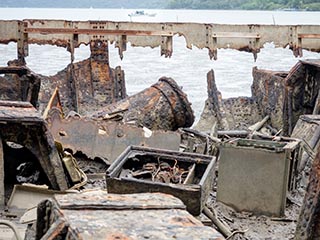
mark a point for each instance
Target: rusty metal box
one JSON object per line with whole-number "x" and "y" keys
{"x": 187, "y": 176}
{"x": 255, "y": 175}
{"x": 96, "y": 214}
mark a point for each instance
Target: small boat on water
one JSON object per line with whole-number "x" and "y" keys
{"x": 141, "y": 13}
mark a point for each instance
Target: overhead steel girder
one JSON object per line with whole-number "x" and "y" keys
{"x": 246, "y": 37}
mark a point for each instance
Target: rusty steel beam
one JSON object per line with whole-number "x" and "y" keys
{"x": 20, "y": 70}
{"x": 71, "y": 34}
{"x": 308, "y": 226}
{"x": 97, "y": 31}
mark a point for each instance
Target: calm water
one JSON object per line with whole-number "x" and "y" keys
{"x": 144, "y": 66}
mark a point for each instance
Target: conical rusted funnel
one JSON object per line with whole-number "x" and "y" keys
{"x": 162, "y": 106}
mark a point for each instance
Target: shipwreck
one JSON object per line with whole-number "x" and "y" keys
{"x": 80, "y": 159}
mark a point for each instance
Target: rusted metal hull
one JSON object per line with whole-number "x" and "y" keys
{"x": 162, "y": 106}
{"x": 280, "y": 95}
{"x": 194, "y": 193}
{"x": 86, "y": 86}
{"x": 99, "y": 215}
{"x": 268, "y": 92}
{"x": 302, "y": 86}
{"x": 307, "y": 128}
{"x": 308, "y": 226}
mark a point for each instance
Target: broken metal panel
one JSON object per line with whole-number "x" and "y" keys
{"x": 163, "y": 106}
{"x": 71, "y": 34}
{"x": 302, "y": 87}
{"x": 99, "y": 215}
{"x": 29, "y": 196}
{"x": 268, "y": 92}
{"x": 308, "y": 129}
{"x": 19, "y": 84}
{"x": 9, "y": 31}
{"x": 226, "y": 114}
{"x": 123, "y": 178}
{"x": 22, "y": 124}
{"x": 85, "y": 86}
{"x": 54, "y": 102}
{"x": 308, "y": 226}
{"x": 256, "y": 175}
{"x": 195, "y": 141}
{"x": 211, "y": 116}
{"x": 105, "y": 139}
{"x": 239, "y": 113}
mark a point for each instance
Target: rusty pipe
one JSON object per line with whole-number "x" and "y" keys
{"x": 163, "y": 106}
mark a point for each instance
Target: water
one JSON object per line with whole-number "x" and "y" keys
{"x": 144, "y": 66}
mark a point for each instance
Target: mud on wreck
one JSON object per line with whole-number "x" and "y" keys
{"x": 79, "y": 159}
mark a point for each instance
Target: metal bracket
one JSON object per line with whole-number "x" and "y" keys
{"x": 166, "y": 42}
{"x": 166, "y": 46}
{"x": 22, "y": 43}
{"x": 295, "y": 43}
{"x": 253, "y": 42}
{"x": 121, "y": 44}
{"x": 305, "y": 36}
{"x": 211, "y": 44}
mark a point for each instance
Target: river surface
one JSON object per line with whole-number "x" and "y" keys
{"x": 144, "y": 66}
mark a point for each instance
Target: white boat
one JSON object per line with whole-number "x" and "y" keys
{"x": 141, "y": 13}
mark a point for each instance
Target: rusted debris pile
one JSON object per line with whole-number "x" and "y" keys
{"x": 253, "y": 154}
{"x": 162, "y": 171}
{"x": 187, "y": 176}
{"x": 287, "y": 101}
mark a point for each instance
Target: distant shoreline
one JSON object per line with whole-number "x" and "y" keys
{"x": 67, "y": 7}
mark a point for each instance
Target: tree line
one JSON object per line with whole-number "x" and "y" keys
{"x": 310, "y": 5}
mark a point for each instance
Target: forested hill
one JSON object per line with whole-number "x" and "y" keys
{"x": 133, "y": 4}
{"x": 311, "y": 5}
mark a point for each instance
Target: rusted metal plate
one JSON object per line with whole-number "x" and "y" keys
{"x": 28, "y": 196}
{"x": 307, "y": 128}
{"x": 106, "y": 140}
{"x": 88, "y": 85}
{"x": 100, "y": 199}
{"x": 268, "y": 93}
{"x": 227, "y": 114}
{"x": 19, "y": 83}
{"x": 308, "y": 226}
{"x": 19, "y": 112}
{"x": 302, "y": 86}
{"x": 71, "y": 34}
{"x": 137, "y": 216}
{"x": 169, "y": 165}
{"x": 245, "y": 166}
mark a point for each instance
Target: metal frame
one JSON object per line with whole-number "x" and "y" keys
{"x": 70, "y": 34}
